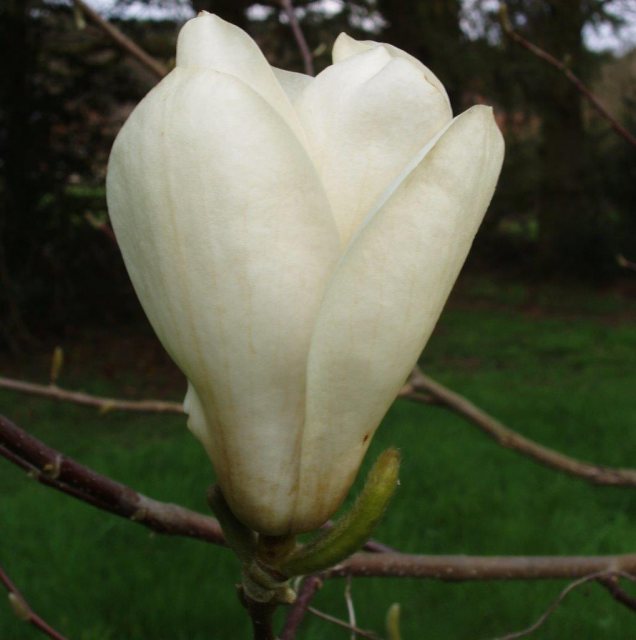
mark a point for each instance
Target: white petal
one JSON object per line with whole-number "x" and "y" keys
{"x": 365, "y": 118}
{"x": 293, "y": 83}
{"x": 228, "y": 239}
{"x": 385, "y": 298}
{"x": 345, "y": 46}
{"x": 209, "y": 42}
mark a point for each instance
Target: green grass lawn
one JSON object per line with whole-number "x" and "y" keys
{"x": 557, "y": 365}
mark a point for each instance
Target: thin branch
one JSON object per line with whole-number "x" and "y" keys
{"x": 309, "y": 588}
{"x": 123, "y": 41}
{"x": 261, "y": 615}
{"x": 613, "y": 587}
{"x": 506, "y": 437}
{"x": 420, "y": 388}
{"x": 362, "y": 633}
{"x": 305, "y": 52}
{"x": 552, "y": 608}
{"x": 351, "y": 611}
{"x": 563, "y": 68}
{"x": 102, "y": 403}
{"x": 24, "y": 611}
{"x": 462, "y": 568}
{"x": 51, "y": 468}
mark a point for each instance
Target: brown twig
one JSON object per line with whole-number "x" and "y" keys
{"x": 24, "y": 611}
{"x": 122, "y": 41}
{"x": 362, "y": 633}
{"x": 102, "y": 403}
{"x": 261, "y": 615}
{"x": 559, "y": 599}
{"x": 55, "y": 470}
{"x": 51, "y": 468}
{"x": 420, "y": 388}
{"x": 460, "y": 568}
{"x": 305, "y": 52}
{"x": 297, "y": 611}
{"x": 613, "y": 587}
{"x": 351, "y": 610}
{"x": 506, "y": 437}
{"x": 563, "y": 68}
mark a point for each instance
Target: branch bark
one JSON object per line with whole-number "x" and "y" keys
{"x": 102, "y": 403}
{"x": 506, "y": 437}
{"x": 51, "y": 468}
{"x": 123, "y": 41}
{"x": 560, "y": 66}
{"x": 24, "y": 611}
{"x": 303, "y": 47}
{"x": 557, "y": 602}
{"x": 462, "y": 568}
{"x": 297, "y": 611}
{"x": 420, "y": 388}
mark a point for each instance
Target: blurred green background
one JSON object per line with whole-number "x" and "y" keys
{"x": 540, "y": 331}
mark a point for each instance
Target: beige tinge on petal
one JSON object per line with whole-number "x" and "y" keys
{"x": 384, "y": 300}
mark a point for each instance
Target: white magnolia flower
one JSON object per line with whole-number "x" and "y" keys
{"x": 293, "y": 241}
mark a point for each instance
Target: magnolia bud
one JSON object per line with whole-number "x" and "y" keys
{"x": 293, "y": 241}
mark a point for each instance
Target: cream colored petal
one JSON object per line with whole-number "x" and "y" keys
{"x": 365, "y": 118}
{"x": 293, "y": 83}
{"x": 345, "y": 47}
{"x": 228, "y": 240}
{"x": 209, "y": 42}
{"x": 384, "y": 300}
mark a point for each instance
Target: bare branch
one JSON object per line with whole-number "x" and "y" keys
{"x": 461, "y": 568}
{"x": 261, "y": 615}
{"x": 362, "y": 633}
{"x": 506, "y": 437}
{"x": 351, "y": 611}
{"x": 612, "y": 585}
{"x": 420, "y": 388}
{"x": 24, "y": 611}
{"x": 122, "y": 41}
{"x": 297, "y": 611}
{"x": 557, "y": 64}
{"x": 102, "y": 403}
{"x": 305, "y": 52}
{"x": 49, "y": 467}
{"x": 552, "y": 608}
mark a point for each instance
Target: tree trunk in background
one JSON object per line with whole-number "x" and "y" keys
{"x": 570, "y": 235}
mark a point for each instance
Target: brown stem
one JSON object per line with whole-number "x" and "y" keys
{"x": 557, "y": 64}
{"x": 460, "y": 568}
{"x": 420, "y": 388}
{"x": 557, "y": 602}
{"x": 357, "y": 631}
{"x": 123, "y": 41}
{"x": 261, "y": 614}
{"x": 49, "y": 467}
{"x": 613, "y": 587}
{"x": 297, "y": 611}
{"x": 510, "y": 439}
{"x": 64, "y": 474}
{"x": 87, "y": 400}
{"x": 24, "y": 611}
{"x": 305, "y": 52}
